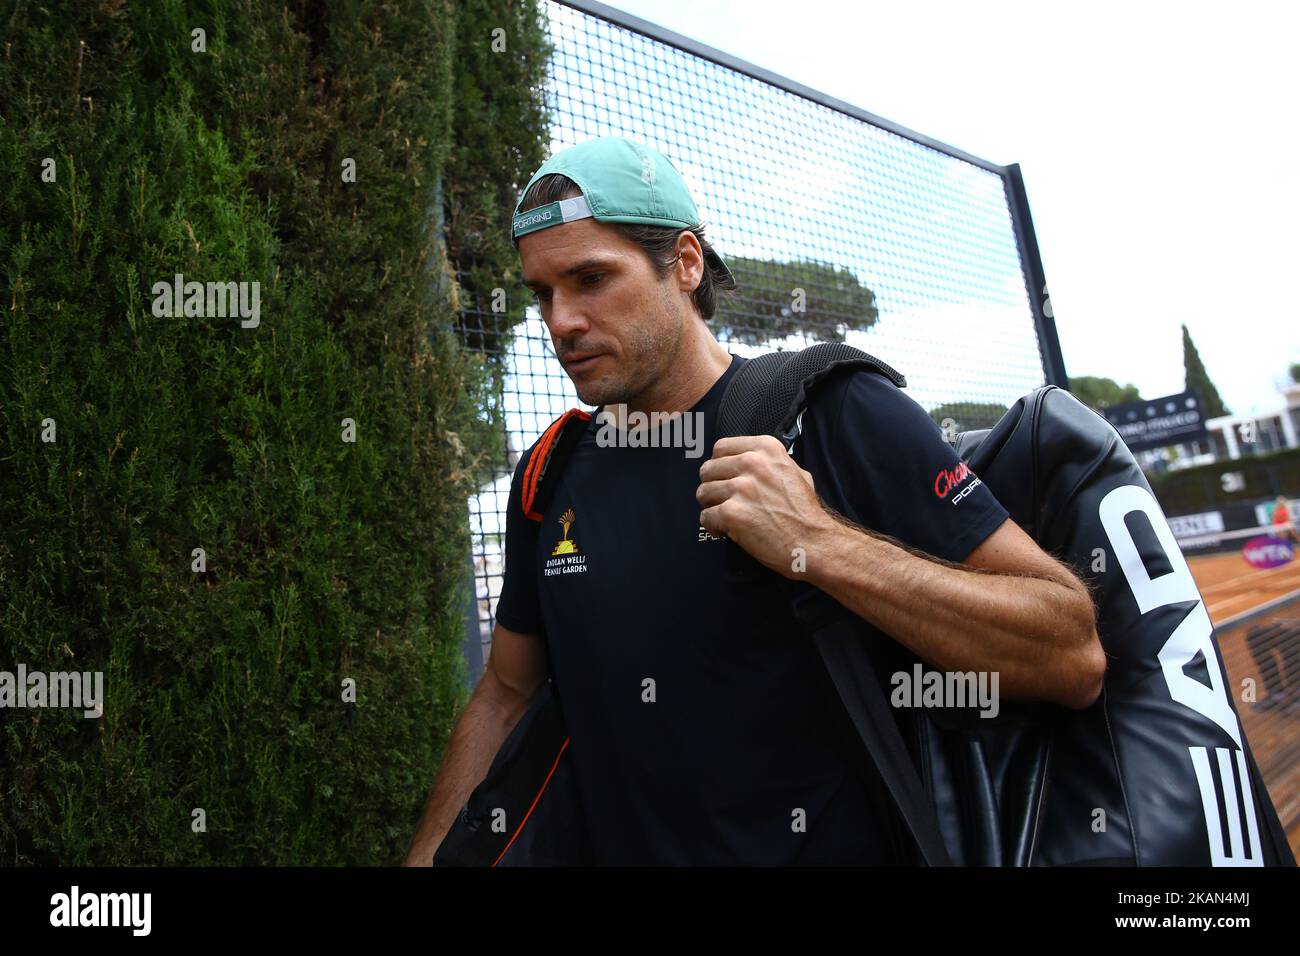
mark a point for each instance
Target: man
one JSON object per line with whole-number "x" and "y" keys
{"x": 1283, "y": 524}
{"x": 701, "y": 729}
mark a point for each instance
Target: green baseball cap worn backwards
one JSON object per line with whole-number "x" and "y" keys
{"x": 621, "y": 181}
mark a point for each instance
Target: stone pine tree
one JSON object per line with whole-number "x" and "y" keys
{"x": 1198, "y": 380}
{"x": 778, "y": 298}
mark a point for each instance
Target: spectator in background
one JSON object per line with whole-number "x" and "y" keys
{"x": 1283, "y": 522}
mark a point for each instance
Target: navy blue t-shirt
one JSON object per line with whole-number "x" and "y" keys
{"x": 702, "y": 730}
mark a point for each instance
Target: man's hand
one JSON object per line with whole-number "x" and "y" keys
{"x": 1011, "y": 608}
{"x": 753, "y": 492}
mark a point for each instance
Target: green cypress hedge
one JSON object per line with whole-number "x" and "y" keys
{"x": 1200, "y": 488}
{"x": 226, "y": 735}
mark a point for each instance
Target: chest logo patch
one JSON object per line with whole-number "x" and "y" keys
{"x": 565, "y": 545}
{"x": 565, "y": 557}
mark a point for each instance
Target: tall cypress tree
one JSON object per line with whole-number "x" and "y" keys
{"x": 254, "y": 529}
{"x": 1198, "y": 380}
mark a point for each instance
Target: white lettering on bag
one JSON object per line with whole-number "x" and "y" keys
{"x": 1191, "y": 637}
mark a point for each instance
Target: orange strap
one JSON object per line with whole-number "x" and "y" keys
{"x": 520, "y": 829}
{"x": 542, "y": 455}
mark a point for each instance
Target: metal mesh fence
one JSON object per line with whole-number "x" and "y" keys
{"x": 837, "y": 228}
{"x": 1263, "y": 652}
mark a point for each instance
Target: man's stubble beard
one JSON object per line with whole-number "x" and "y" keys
{"x": 649, "y": 352}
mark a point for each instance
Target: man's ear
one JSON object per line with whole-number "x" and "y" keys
{"x": 690, "y": 261}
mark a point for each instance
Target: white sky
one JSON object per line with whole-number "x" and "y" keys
{"x": 1158, "y": 143}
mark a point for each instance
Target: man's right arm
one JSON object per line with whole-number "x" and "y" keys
{"x": 515, "y": 670}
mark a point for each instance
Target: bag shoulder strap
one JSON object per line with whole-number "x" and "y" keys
{"x": 549, "y": 456}
{"x": 767, "y": 396}
{"x": 768, "y": 392}
{"x": 844, "y": 651}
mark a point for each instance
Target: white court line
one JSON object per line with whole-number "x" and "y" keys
{"x": 1262, "y": 609}
{"x": 1242, "y": 577}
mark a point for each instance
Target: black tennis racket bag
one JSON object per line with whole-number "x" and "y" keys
{"x": 1158, "y": 772}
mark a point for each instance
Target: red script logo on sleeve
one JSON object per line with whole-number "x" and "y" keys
{"x": 949, "y": 478}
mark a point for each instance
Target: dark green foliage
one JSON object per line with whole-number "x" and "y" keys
{"x": 326, "y": 560}
{"x": 501, "y": 57}
{"x": 1100, "y": 393}
{"x": 1198, "y": 380}
{"x": 1200, "y": 488}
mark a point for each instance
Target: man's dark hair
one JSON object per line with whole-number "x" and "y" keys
{"x": 657, "y": 242}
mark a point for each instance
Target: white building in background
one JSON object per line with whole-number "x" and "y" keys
{"x": 1234, "y": 436}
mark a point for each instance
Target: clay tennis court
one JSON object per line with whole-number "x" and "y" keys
{"x": 1264, "y": 647}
